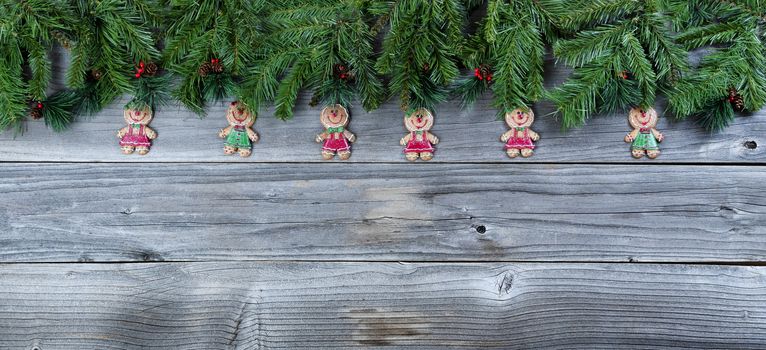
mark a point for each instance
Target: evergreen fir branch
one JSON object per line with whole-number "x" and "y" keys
{"x": 578, "y": 97}
{"x": 636, "y": 61}
{"x": 419, "y": 49}
{"x": 586, "y": 13}
{"x": 58, "y": 110}
{"x": 713, "y": 34}
{"x": 669, "y": 59}
{"x": 290, "y": 87}
{"x": 591, "y": 45}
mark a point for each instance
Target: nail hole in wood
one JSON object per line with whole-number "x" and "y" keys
{"x": 751, "y": 144}
{"x": 481, "y": 229}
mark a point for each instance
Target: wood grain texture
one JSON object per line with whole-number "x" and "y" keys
{"x": 242, "y": 305}
{"x": 362, "y": 212}
{"x": 466, "y": 135}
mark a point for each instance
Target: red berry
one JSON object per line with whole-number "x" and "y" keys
{"x": 39, "y": 105}
{"x": 138, "y": 75}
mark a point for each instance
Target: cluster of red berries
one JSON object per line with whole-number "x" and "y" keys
{"x": 146, "y": 69}
{"x": 341, "y": 72}
{"x": 483, "y": 73}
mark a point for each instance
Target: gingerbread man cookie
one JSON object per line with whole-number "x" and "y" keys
{"x": 419, "y": 142}
{"x": 519, "y": 140}
{"x": 336, "y": 137}
{"x": 644, "y": 139}
{"x": 137, "y": 135}
{"x": 239, "y": 134}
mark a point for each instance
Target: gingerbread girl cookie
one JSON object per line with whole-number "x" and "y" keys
{"x": 336, "y": 137}
{"x": 419, "y": 142}
{"x": 644, "y": 138}
{"x": 519, "y": 140}
{"x": 239, "y": 134}
{"x": 137, "y": 135}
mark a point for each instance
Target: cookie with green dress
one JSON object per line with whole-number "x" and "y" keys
{"x": 239, "y": 135}
{"x": 645, "y": 138}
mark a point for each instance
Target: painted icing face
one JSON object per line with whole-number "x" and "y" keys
{"x": 420, "y": 119}
{"x": 518, "y": 117}
{"x": 138, "y": 116}
{"x": 239, "y": 115}
{"x": 643, "y": 118}
{"x": 334, "y": 116}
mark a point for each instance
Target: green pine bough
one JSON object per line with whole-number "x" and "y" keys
{"x": 262, "y": 53}
{"x": 623, "y": 55}
{"x": 732, "y": 78}
{"x": 507, "y": 53}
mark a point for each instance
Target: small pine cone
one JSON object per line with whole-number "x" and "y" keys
{"x": 426, "y": 67}
{"x": 205, "y": 69}
{"x": 217, "y": 67}
{"x": 96, "y": 74}
{"x": 151, "y": 69}
{"x": 736, "y": 100}
{"x": 36, "y": 113}
{"x": 314, "y": 100}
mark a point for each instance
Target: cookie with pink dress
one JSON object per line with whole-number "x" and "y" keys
{"x": 519, "y": 140}
{"x": 419, "y": 142}
{"x": 137, "y": 135}
{"x": 336, "y": 138}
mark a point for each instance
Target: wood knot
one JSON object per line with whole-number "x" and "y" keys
{"x": 751, "y": 144}
{"x": 505, "y": 284}
{"x": 481, "y": 229}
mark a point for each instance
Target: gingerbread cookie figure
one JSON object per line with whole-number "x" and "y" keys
{"x": 644, "y": 138}
{"x": 137, "y": 135}
{"x": 419, "y": 142}
{"x": 239, "y": 134}
{"x": 336, "y": 137}
{"x": 519, "y": 139}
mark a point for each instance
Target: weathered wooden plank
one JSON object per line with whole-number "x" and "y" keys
{"x": 425, "y": 212}
{"x": 471, "y": 135}
{"x": 243, "y": 305}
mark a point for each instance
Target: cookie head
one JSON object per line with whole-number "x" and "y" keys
{"x": 334, "y": 116}
{"x": 419, "y": 120}
{"x": 642, "y": 118}
{"x": 519, "y": 117}
{"x": 238, "y": 114}
{"x": 137, "y": 114}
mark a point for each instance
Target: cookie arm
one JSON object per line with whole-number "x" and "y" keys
{"x": 348, "y": 135}
{"x": 658, "y": 135}
{"x": 405, "y": 139}
{"x": 321, "y": 137}
{"x": 533, "y": 135}
{"x": 631, "y": 136}
{"x": 151, "y": 134}
{"x": 225, "y": 131}
{"x": 252, "y": 135}
{"x": 431, "y": 137}
{"x": 122, "y": 132}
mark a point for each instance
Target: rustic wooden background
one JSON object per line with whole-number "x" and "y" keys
{"x": 578, "y": 247}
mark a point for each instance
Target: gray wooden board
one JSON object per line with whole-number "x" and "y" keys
{"x": 270, "y": 305}
{"x": 426, "y": 212}
{"x": 466, "y": 135}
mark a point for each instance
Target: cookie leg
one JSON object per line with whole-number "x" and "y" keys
{"x": 411, "y": 156}
{"x": 228, "y": 150}
{"x": 244, "y": 152}
{"x": 637, "y": 153}
{"x": 127, "y": 149}
{"x": 653, "y": 153}
{"x": 142, "y": 150}
{"x": 344, "y": 155}
{"x": 526, "y": 152}
{"x": 327, "y": 155}
{"x": 512, "y": 152}
{"x": 426, "y": 156}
